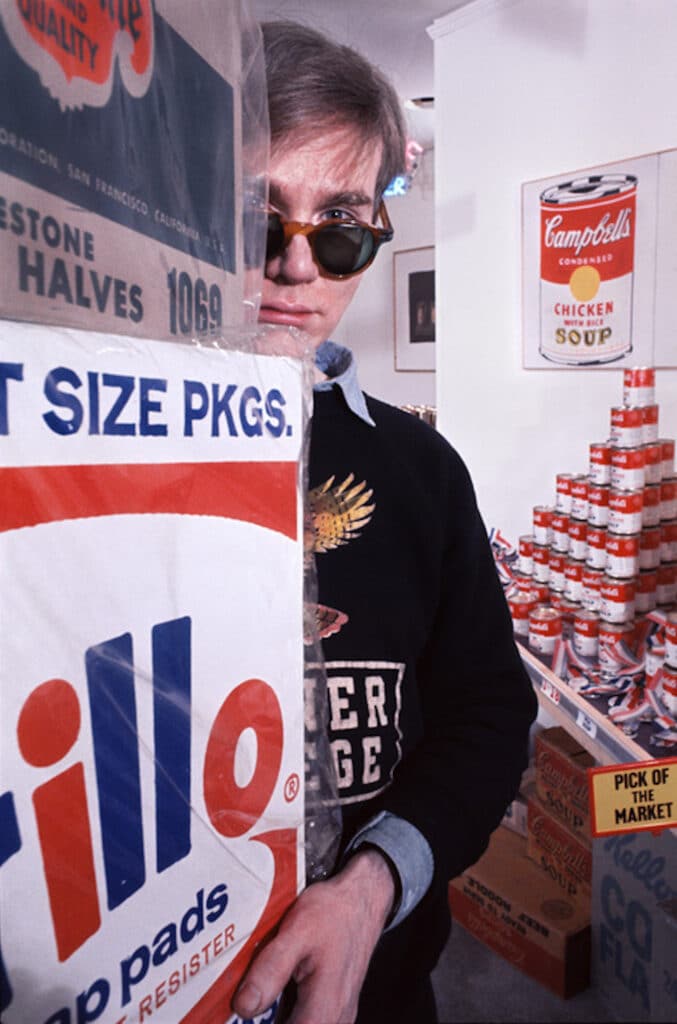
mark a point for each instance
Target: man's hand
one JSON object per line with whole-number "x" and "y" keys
{"x": 324, "y": 943}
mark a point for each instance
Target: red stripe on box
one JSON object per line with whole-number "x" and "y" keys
{"x": 263, "y": 493}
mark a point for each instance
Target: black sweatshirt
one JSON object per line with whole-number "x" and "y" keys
{"x": 430, "y": 706}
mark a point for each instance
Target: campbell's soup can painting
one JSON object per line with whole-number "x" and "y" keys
{"x": 587, "y": 268}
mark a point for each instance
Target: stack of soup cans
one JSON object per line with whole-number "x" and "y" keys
{"x": 601, "y": 560}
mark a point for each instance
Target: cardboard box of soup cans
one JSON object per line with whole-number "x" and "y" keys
{"x": 561, "y": 778}
{"x": 513, "y": 907}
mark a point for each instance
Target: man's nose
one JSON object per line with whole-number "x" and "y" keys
{"x": 295, "y": 264}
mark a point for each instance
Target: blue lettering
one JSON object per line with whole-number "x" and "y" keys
{"x": 275, "y": 422}
{"x": 252, "y": 427}
{"x": 221, "y": 407}
{"x": 110, "y": 423}
{"x": 62, "y": 375}
{"x": 8, "y": 371}
{"x": 148, "y": 406}
{"x": 195, "y": 404}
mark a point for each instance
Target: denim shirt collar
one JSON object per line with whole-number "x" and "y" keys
{"x": 338, "y": 363}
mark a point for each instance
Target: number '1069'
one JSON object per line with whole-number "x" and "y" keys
{"x": 193, "y": 306}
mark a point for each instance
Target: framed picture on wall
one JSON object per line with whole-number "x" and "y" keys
{"x": 414, "y": 296}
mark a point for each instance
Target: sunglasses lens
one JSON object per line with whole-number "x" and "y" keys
{"x": 275, "y": 237}
{"x": 344, "y": 248}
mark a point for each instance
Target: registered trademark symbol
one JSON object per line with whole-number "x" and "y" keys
{"x": 291, "y": 787}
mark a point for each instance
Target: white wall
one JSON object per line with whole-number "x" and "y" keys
{"x": 367, "y": 326}
{"x": 525, "y": 89}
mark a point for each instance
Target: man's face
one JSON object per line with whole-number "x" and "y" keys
{"x": 332, "y": 176}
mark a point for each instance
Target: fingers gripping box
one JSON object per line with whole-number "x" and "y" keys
{"x": 151, "y": 735}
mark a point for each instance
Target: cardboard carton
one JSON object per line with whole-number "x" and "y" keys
{"x": 561, "y": 778}
{"x": 511, "y": 905}
{"x": 559, "y": 852}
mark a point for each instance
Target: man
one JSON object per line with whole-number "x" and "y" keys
{"x": 429, "y": 705}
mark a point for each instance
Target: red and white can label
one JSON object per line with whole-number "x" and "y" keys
{"x": 652, "y": 463}
{"x": 586, "y": 634}
{"x": 650, "y": 548}
{"x": 545, "y": 627}
{"x": 587, "y": 263}
{"x": 573, "y": 580}
{"x": 611, "y": 634}
{"x": 668, "y": 498}
{"x": 541, "y": 563}
{"x": 646, "y": 591}
{"x": 649, "y": 423}
{"x": 563, "y": 493}
{"x": 667, "y": 457}
{"x": 651, "y": 506}
{"x": 596, "y": 556}
{"x": 627, "y": 468}
{"x": 520, "y": 606}
{"x": 626, "y": 426}
{"x": 617, "y": 600}
{"x": 526, "y": 554}
{"x": 668, "y": 689}
{"x": 622, "y": 556}
{"x": 598, "y": 504}
{"x": 557, "y": 563}
{"x": 625, "y": 511}
{"x": 560, "y": 532}
{"x": 578, "y": 539}
{"x": 600, "y": 462}
{"x": 542, "y": 524}
{"x": 639, "y": 385}
{"x": 591, "y": 589}
{"x": 671, "y": 640}
{"x": 579, "y": 497}
{"x": 666, "y": 585}
{"x": 540, "y": 592}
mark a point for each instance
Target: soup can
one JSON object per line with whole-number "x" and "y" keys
{"x": 598, "y": 504}
{"x": 646, "y": 591}
{"x": 622, "y": 555}
{"x": 627, "y": 468}
{"x": 585, "y": 638}
{"x": 666, "y": 584}
{"x": 526, "y": 554}
{"x": 587, "y": 268}
{"x": 668, "y": 689}
{"x": 667, "y": 456}
{"x": 639, "y": 385}
{"x": 557, "y": 562}
{"x": 617, "y": 600}
{"x": 625, "y": 511}
{"x": 668, "y": 498}
{"x": 600, "y": 462}
{"x": 651, "y": 506}
{"x": 542, "y": 524}
{"x": 578, "y": 539}
{"x": 560, "y": 532}
{"x": 541, "y": 563}
{"x": 650, "y": 548}
{"x": 671, "y": 639}
{"x": 591, "y": 589}
{"x": 596, "y": 540}
{"x": 626, "y": 426}
{"x": 579, "y": 497}
{"x": 545, "y": 628}
{"x": 652, "y": 463}
{"x": 520, "y": 606}
{"x": 563, "y": 492}
{"x": 649, "y": 423}
{"x": 573, "y": 580}
{"x": 611, "y": 634}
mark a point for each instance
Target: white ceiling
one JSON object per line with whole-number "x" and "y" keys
{"x": 391, "y": 34}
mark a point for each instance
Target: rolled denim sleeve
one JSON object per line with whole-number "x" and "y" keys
{"x": 409, "y": 853}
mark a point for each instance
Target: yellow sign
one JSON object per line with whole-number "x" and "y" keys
{"x": 634, "y": 797}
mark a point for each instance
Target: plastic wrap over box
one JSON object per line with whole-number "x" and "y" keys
{"x": 634, "y": 882}
{"x": 151, "y": 630}
{"x": 133, "y": 140}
